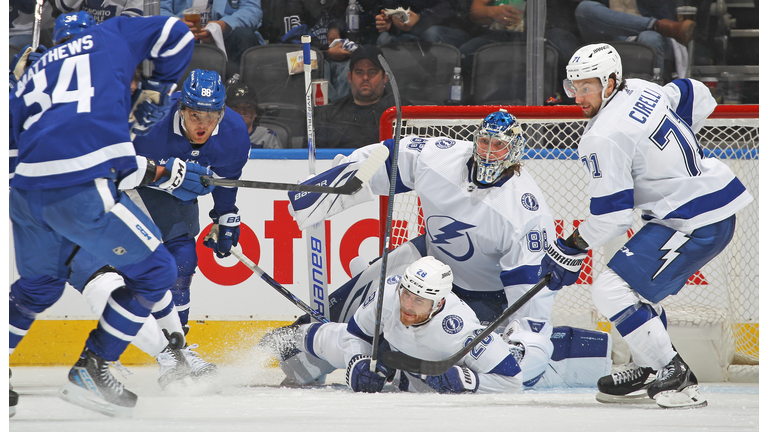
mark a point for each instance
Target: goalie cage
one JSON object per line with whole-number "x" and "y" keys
{"x": 714, "y": 320}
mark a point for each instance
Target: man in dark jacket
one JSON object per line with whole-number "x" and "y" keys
{"x": 353, "y": 121}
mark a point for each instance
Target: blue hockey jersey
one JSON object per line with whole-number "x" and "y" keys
{"x": 225, "y": 152}
{"x": 70, "y": 109}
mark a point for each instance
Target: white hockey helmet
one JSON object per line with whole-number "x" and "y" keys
{"x": 594, "y": 61}
{"x": 428, "y": 278}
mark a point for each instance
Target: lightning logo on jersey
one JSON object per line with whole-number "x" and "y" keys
{"x": 449, "y": 231}
{"x": 674, "y": 243}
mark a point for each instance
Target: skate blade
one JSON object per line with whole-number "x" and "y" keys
{"x": 81, "y": 397}
{"x": 638, "y": 397}
{"x": 689, "y": 397}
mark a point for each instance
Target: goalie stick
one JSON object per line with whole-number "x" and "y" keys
{"x": 390, "y": 204}
{"x": 318, "y": 269}
{"x": 404, "y": 362}
{"x": 271, "y": 282}
{"x": 363, "y": 175}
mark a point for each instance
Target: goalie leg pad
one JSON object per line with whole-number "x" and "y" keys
{"x": 580, "y": 358}
{"x": 534, "y": 335}
{"x": 304, "y": 368}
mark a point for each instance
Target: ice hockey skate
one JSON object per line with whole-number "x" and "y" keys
{"x": 281, "y": 342}
{"x": 676, "y": 386}
{"x": 173, "y": 367}
{"x": 13, "y": 397}
{"x": 199, "y": 368}
{"x": 628, "y": 385}
{"x": 92, "y": 386}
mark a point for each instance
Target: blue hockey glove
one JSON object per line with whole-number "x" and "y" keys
{"x": 564, "y": 263}
{"x": 191, "y": 186}
{"x": 458, "y": 379}
{"x": 21, "y": 61}
{"x": 228, "y": 232}
{"x": 151, "y": 102}
{"x": 361, "y": 379}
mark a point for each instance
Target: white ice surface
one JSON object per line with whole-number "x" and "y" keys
{"x": 248, "y": 398}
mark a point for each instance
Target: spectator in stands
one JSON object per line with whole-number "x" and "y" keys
{"x": 563, "y": 33}
{"x": 353, "y": 121}
{"x": 649, "y": 22}
{"x": 434, "y": 21}
{"x": 242, "y": 99}
{"x": 236, "y": 19}
{"x": 102, "y": 9}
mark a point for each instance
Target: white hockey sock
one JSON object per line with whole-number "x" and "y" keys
{"x": 650, "y": 344}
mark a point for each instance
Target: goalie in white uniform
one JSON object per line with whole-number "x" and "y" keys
{"x": 485, "y": 217}
{"x": 641, "y": 151}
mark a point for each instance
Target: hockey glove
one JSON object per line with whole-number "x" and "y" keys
{"x": 227, "y": 227}
{"x": 310, "y": 208}
{"x": 192, "y": 187}
{"x": 361, "y": 379}
{"x": 25, "y": 59}
{"x": 151, "y": 102}
{"x": 458, "y": 379}
{"x": 564, "y": 263}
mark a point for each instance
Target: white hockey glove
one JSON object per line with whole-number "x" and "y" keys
{"x": 310, "y": 208}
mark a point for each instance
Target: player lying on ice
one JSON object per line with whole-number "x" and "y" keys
{"x": 641, "y": 152}
{"x": 485, "y": 217}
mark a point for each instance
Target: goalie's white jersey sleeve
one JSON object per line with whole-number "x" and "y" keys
{"x": 641, "y": 151}
{"x": 445, "y": 334}
{"x": 493, "y": 238}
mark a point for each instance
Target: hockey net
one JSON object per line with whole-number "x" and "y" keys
{"x": 723, "y": 294}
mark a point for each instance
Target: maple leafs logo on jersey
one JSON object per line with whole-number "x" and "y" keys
{"x": 453, "y": 324}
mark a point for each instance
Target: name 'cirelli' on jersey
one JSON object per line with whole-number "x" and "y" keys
{"x": 641, "y": 152}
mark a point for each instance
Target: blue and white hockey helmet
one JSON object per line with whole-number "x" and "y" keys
{"x": 203, "y": 91}
{"x": 71, "y": 24}
{"x": 429, "y": 278}
{"x": 499, "y": 144}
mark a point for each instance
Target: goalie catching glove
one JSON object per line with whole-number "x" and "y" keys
{"x": 310, "y": 208}
{"x": 227, "y": 229}
{"x": 457, "y": 379}
{"x": 564, "y": 263}
{"x": 151, "y": 102}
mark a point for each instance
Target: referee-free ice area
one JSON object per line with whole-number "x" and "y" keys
{"x": 247, "y": 397}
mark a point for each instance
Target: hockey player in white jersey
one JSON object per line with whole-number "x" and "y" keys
{"x": 641, "y": 152}
{"x": 420, "y": 317}
{"x": 485, "y": 217}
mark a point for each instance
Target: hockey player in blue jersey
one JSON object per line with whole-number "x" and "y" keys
{"x": 69, "y": 116}
{"x": 641, "y": 152}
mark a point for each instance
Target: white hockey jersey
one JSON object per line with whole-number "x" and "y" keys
{"x": 641, "y": 152}
{"x": 493, "y": 238}
{"x": 445, "y": 334}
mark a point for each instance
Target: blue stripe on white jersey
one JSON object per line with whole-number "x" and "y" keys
{"x": 520, "y": 275}
{"x": 623, "y": 200}
{"x": 685, "y": 104}
{"x": 399, "y": 186}
{"x": 709, "y": 202}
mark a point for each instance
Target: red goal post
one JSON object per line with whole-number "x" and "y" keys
{"x": 725, "y": 292}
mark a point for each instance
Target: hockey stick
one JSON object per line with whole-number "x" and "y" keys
{"x": 36, "y": 25}
{"x": 271, "y": 282}
{"x": 404, "y": 362}
{"x": 317, "y": 256}
{"x": 390, "y": 204}
{"x": 363, "y": 175}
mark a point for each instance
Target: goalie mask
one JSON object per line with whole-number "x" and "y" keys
{"x": 593, "y": 61}
{"x": 499, "y": 144}
{"x": 430, "y": 279}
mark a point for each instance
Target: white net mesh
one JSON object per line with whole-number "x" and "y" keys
{"x": 723, "y": 294}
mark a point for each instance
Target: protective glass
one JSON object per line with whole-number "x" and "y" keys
{"x": 583, "y": 88}
{"x": 202, "y": 118}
